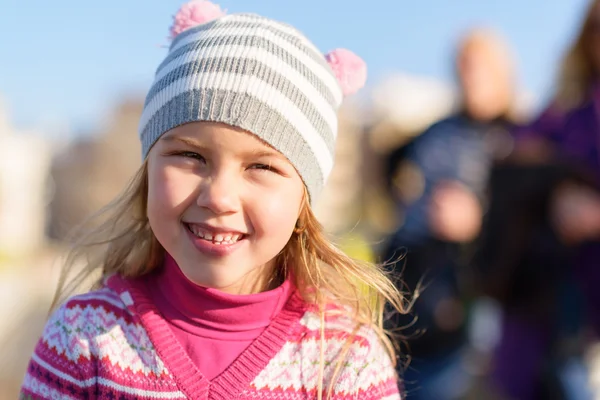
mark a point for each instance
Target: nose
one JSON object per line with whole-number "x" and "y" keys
{"x": 219, "y": 193}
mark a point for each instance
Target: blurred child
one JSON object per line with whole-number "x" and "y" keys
{"x": 216, "y": 279}
{"x": 440, "y": 182}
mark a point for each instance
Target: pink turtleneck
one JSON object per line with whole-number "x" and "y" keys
{"x": 213, "y": 327}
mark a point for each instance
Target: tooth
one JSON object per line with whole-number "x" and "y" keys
{"x": 227, "y": 238}
{"x": 234, "y": 238}
{"x": 218, "y": 238}
{"x": 208, "y": 236}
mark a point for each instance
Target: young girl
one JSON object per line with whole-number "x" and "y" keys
{"x": 217, "y": 282}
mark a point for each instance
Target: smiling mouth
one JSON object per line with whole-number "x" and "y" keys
{"x": 221, "y": 238}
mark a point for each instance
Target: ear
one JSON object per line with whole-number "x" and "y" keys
{"x": 349, "y": 69}
{"x": 194, "y": 13}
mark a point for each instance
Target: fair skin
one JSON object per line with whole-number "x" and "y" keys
{"x": 223, "y": 204}
{"x": 485, "y": 75}
{"x": 575, "y": 213}
{"x": 454, "y": 213}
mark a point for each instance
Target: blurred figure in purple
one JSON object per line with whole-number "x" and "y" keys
{"x": 566, "y": 133}
{"x": 569, "y": 131}
{"x": 439, "y": 183}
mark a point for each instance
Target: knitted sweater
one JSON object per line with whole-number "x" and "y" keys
{"x": 213, "y": 327}
{"x": 114, "y": 344}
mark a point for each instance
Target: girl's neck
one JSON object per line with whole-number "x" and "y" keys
{"x": 209, "y": 306}
{"x": 265, "y": 278}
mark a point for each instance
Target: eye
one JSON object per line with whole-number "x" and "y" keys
{"x": 189, "y": 154}
{"x": 263, "y": 167}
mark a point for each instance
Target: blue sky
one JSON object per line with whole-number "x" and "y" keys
{"x": 70, "y": 61}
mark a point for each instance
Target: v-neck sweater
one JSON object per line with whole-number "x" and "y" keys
{"x": 212, "y": 326}
{"x": 114, "y": 343}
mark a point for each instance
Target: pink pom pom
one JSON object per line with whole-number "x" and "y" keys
{"x": 194, "y": 13}
{"x": 349, "y": 69}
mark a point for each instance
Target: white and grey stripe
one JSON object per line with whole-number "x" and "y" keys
{"x": 254, "y": 73}
{"x": 288, "y": 51}
{"x": 311, "y": 100}
{"x": 264, "y": 51}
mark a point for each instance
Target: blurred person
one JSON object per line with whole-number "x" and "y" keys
{"x": 217, "y": 281}
{"x": 566, "y": 133}
{"x": 439, "y": 181}
{"x": 520, "y": 263}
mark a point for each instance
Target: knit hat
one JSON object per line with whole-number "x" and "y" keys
{"x": 257, "y": 74}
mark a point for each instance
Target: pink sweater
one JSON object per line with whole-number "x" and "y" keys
{"x": 213, "y": 327}
{"x": 114, "y": 343}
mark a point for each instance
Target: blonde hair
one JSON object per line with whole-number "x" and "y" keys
{"x": 119, "y": 240}
{"x": 577, "y": 73}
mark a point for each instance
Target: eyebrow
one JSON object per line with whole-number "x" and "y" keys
{"x": 188, "y": 141}
{"x": 253, "y": 153}
{"x": 267, "y": 153}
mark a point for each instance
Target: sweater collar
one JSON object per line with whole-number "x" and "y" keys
{"x": 182, "y": 300}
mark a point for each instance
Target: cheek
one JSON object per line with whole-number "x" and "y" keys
{"x": 279, "y": 211}
{"x": 168, "y": 192}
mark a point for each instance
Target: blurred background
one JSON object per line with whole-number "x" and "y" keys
{"x": 470, "y": 163}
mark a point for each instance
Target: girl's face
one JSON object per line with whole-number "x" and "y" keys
{"x": 222, "y": 203}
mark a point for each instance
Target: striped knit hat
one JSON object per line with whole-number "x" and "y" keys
{"x": 256, "y": 74}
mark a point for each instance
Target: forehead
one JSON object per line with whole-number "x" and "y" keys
{"x": 490, "y": 54}
{"x": 219, "y": 135}
{"x": 486, "y": 43}
{"x": 223, "y": 139}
